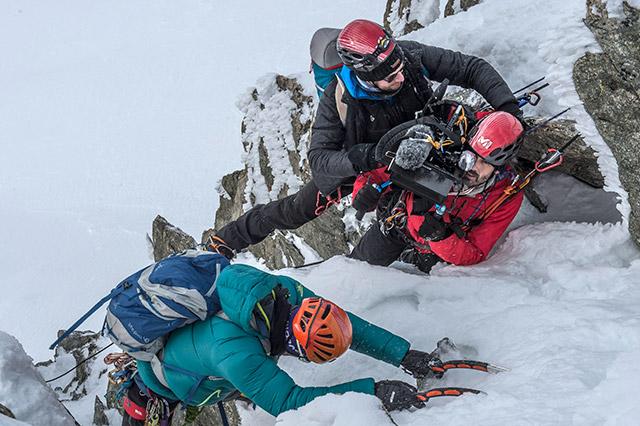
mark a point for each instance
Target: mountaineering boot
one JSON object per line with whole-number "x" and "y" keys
{"x": 218, "y": 245}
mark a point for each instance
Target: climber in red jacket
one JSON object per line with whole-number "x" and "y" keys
{"x": 477, "y": 212}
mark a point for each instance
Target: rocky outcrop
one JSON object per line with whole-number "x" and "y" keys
{"x": 79, "y": 345}
{"x": 168, "y": 239}
{"x": 579, "y": 159}
{"x": 402, "y": 17}
{"x": 455, "y": 6}
{"x": 275, "y": 136}
{"x": 99, "y": 415}
{"x": 609, "y": 86}
{"x": 4, "y": 411}
{"x": 209, "y": 416}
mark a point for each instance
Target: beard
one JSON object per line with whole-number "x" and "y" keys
{"x": 392, "y": 92}
{"x": 471, "y": 178}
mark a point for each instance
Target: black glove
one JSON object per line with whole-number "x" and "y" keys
{"x": 434, "y": 229}
{"x": 366, "y": 200}
{"x": 421, "y": 364}
{"x": 363, "y": 157}
{"x": 397, "y": 395}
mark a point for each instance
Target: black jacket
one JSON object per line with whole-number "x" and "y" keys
{"x": 368, "y": 120}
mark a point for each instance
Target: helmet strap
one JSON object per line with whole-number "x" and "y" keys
{"x": 279, "y": 321}
{"x": 292, "y": 345}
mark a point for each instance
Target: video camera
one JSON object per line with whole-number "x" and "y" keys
{"x": 437, "y": 170}
{"x": 443, "y": 125}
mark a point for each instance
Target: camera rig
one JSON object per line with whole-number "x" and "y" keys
{"x": 439, "y": 172}
{"x": 445, "y": 127}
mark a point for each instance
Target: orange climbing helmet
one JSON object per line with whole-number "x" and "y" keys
{"x": 322, "y": 328}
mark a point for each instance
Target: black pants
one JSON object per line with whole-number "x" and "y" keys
{"x": 288, "y": 213}
{"x": 379, "y": 249}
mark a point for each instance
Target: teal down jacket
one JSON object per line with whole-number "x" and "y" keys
{"x": 231, "y": 354}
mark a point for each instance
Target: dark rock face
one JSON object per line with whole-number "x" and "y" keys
{"x": 401, "y": 8}
{"x": 4, "y": 411}
{"x": 99, "y": 416}
{"x": 209, "y": 416}
{"x": 402, "y": 17}
{"x": 168, "y": 239}
{"x": 579, "y": 159}
{"x": 464, "y": 6}
{"x": 609, "y": 85}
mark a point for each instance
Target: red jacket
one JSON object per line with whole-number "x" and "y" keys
{"x": 479, "y": 240}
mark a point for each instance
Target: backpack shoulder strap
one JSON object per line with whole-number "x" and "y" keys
{"x": 341, "y": 106}
{"x": 119, "y": 289}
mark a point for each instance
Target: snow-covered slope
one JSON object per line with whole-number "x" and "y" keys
{"x": 557, "y": 304}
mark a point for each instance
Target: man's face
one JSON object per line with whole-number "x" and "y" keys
{"x": 393, "y": 82}
{"x": 479, "y": 173}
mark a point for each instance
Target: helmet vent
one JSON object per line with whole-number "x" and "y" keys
{"x": 322, "y": 358}
{"x": 323, "y": 352}
{"x": 327, "y": 309}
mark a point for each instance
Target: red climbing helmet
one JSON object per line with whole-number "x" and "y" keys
{"x": 369, "y": 50}
{"x": 496, "y": 138}
{"x": 323, "y": 329}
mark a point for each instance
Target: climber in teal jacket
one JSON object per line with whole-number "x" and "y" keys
{"x": 264, "y": 316}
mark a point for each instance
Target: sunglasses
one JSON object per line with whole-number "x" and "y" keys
{"x": 391, "y": 77}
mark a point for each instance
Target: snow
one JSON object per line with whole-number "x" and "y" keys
{"x": 23, "y": 390}
{"x": 336, "y": 410}
{"x": 117, "y": 111}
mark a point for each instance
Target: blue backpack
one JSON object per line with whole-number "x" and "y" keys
{"x": 148, "y": 305}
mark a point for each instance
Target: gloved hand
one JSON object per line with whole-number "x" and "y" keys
{"x": 363, "y": 157}
{"x": 420, "y": 364}
{"x": 218, "y": 245}
{"x": 366, "y": 200}
{"x": 397, "y": 395}
{"x": 520, "y": 116}
{"x": 434, "y": 229}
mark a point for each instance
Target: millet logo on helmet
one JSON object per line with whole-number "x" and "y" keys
{"x": 485, "y": 142}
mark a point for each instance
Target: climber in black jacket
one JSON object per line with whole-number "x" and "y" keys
{"x": 384, "y": 83}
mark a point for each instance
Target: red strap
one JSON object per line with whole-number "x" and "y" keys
{"x": 323, "y": 203}
{"x": 135, "y": 411}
